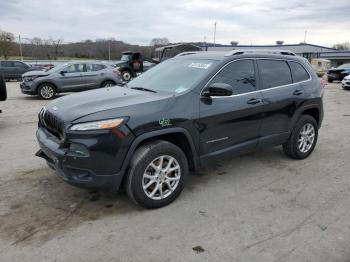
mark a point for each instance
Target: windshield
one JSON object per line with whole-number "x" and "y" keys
{"x": 57, "y": 68}
{"x": 344, "y": 66}
{"x": 125, "y": 57}
{"x": 174, "y": 75}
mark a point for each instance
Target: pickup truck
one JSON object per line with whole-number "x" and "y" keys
{"x": 131, "y": 64}
{"x": 3, "y": 93}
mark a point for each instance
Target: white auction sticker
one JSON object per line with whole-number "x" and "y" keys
{"x": 200, "y": 65}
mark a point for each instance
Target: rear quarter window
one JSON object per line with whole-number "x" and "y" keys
{"x": 98, "y": 67}
{"x": 298, "y": 72}
{"x": 274, "y": 73}
{"x": 6, "y": 63}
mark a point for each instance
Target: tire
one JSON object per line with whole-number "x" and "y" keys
{"x": 300, "y": 145}
{"x": 108, "y": 83}
{"x": 46, "y": 91}
{"x": 141, "y": 163}
{"x": 126, "y": 75}
{"x": 330, "y": 80}
{"x": 3, "y": 92}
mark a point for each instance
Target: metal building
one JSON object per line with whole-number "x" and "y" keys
{"x": 308, "y": 51}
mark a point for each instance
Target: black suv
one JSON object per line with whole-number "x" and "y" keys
{"x": 147, "y": 135}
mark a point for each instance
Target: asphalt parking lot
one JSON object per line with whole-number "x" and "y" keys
{"x": 258, "y": 207}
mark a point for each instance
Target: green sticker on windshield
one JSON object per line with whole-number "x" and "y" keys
{"x": 164, "y": 122}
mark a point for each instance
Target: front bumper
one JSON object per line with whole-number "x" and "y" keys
{"x": 28, "y": 88}
{"x": 345, "y": 83}
{"x": 95, "y": 170}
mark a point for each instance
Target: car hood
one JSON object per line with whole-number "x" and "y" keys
{"x": 35, "y": 73}
{"x": 338, "y": 70}
{"x": 118, "y": 63}
{"x": 107, "y": 103}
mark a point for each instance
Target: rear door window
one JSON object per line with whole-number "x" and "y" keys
{"x": 298, "y": 72}
{"x": 94, "y": 67}
{"x": 20, "y": 64}
{"x": 239, "y": 74}
{"x": 274, "y": 73}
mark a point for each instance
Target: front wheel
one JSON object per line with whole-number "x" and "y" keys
{"x": 156, "y": 174}
{"x": 303, "y": 139}
{"x": 108, "y": 84}
{"x": 46, "y": 91}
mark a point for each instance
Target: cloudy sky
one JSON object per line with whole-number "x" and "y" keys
{"x": 138, "y": 21}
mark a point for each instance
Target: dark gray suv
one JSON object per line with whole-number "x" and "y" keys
{"x": 69, "y": 77}
{"x": 11, "y": 69}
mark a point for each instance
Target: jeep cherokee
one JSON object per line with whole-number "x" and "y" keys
{"x": 147, "y": 135}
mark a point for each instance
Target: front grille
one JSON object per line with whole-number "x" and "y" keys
{"x": 51, "y": 122}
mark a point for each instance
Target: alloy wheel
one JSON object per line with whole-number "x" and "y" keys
{"x": 47, "y": 92}
{"x": 161, "y": 177}
{"x": 306, "y": 138}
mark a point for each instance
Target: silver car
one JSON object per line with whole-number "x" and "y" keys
{"x": 69, "y": 77}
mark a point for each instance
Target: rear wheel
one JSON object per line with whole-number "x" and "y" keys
{"x": 330, "y": 80}
{"x": 156, "y": 174}
{"x": 303, "y": 139}
{"x": 46, "y": 91}
{"x": 126, "y": 75}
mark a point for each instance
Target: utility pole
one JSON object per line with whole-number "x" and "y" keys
{"x": 214, "y": 32}
{"x": 20, "y": 46}
{"x": 109, "y": 50}
{"x": 305, "y": 36}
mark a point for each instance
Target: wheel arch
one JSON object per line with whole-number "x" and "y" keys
{"x": 107, "y": 80}
{"x": 127, "y": 68}
{"x": 313, "y": 110}
{"x": 178, "y": 136}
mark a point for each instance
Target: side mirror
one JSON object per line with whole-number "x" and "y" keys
{"x": 63, "y": 72}
{"x": 218, "y": 89}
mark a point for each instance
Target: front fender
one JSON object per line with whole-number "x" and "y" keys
{"x": 157, "y": 133}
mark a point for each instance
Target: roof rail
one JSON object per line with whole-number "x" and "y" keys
{"x": 187, "y": 53}
{"x": 260, "y": 51}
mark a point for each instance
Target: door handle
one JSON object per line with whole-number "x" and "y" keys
{"x": 297, "y": 92}
{"x": 253, "y": 101}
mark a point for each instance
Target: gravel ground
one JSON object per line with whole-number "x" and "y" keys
{"x": 258, "y": 207}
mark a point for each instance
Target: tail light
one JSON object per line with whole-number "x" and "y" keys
{"x": 117, "y": 72}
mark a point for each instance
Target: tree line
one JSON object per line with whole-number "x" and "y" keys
{"x": 52, "y": 49}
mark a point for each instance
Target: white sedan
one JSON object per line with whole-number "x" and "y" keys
{"x": 346, "y": 82}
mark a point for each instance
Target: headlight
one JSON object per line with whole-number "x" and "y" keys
{"x": 98, "y": 125}
{"x": 29, "y": 78}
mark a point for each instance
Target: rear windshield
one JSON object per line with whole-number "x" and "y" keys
{"x": 174, "y": 75}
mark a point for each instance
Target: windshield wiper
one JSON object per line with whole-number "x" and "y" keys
{"x": 144, "y": 89}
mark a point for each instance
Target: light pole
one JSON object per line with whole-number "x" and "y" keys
{"x": 214, "y": 32}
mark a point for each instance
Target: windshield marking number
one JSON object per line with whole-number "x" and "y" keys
{"x": 164, "y": 122}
